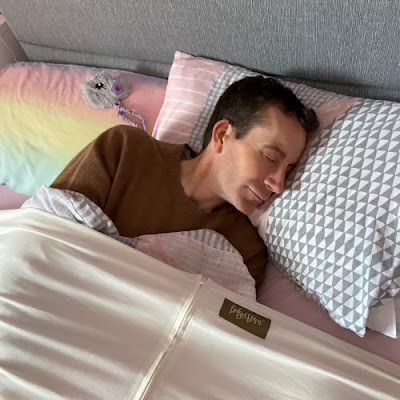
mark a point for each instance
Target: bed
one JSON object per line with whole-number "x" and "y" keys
{"x": 330, "y": 299}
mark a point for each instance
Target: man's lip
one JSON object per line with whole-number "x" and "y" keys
{"x": 259, "y": 197}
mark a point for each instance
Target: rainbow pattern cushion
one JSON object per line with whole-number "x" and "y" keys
{"x": 45, "y": 121}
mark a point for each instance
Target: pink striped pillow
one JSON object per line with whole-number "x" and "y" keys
{"x": 189, "y": 82}
{"x": 196, "y": 83}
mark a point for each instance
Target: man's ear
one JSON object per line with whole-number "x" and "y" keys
{"x": 221, "y": 130}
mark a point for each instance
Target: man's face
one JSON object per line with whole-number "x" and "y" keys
{"x": 250, "y": 169}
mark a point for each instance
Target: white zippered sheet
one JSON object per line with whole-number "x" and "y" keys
{"x": 83, "y": 316}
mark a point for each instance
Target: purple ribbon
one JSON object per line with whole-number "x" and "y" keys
{"x": 121, "y": 114}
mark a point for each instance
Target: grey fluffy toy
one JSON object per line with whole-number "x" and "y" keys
{"x": 102, "y": 91}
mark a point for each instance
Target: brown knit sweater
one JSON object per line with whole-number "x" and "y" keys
{"x": 135, "y": 180}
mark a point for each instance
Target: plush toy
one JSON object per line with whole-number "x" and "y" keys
{"x": 102, "y": 91}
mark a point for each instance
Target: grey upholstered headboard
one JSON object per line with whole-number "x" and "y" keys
{"x": 350, "y": 46}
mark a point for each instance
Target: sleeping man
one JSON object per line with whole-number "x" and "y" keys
{"x": 255, "y": 136}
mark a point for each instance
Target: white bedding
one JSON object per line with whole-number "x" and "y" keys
{"x": 201, "y": 251}
{"x": 83, "y": 316}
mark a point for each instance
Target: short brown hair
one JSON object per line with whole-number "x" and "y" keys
{"x": 243, "y": 104}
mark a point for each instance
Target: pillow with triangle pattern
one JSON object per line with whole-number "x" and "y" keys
{"x": 335, "y": 230}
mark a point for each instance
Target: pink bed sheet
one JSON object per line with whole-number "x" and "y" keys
{"x": 10, "y": 199}
{"x": 279, "y": 294}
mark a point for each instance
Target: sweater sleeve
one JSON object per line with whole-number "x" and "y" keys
{"x": 257, "y": 265}
{"x": 91, "y": 172}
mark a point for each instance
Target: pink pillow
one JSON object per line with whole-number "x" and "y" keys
{"x": 189, "y": 82}
{"x": 195, "y": 85}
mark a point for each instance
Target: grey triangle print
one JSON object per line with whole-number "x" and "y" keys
{"x": 335, "y": 230}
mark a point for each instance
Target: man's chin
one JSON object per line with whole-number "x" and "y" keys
{"x": 246, "y": 209}
{"x": 245, "y": 204}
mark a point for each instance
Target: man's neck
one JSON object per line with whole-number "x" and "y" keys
{"x": 197, "y": 182}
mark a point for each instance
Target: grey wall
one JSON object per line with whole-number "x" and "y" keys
{"x": 351, "y": 46}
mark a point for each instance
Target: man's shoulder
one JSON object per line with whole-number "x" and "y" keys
{"x": 240, "y": 224}
{"x": 127, "y": 133}
{"x": 136, "y": 138}
{"x": 243, "y": 235}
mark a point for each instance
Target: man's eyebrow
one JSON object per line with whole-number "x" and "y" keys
{"x": 277, "y": 149}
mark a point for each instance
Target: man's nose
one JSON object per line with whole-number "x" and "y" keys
{"x": 276, "y": 181}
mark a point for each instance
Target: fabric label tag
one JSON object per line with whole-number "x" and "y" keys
{"x": 245, "y": 319}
